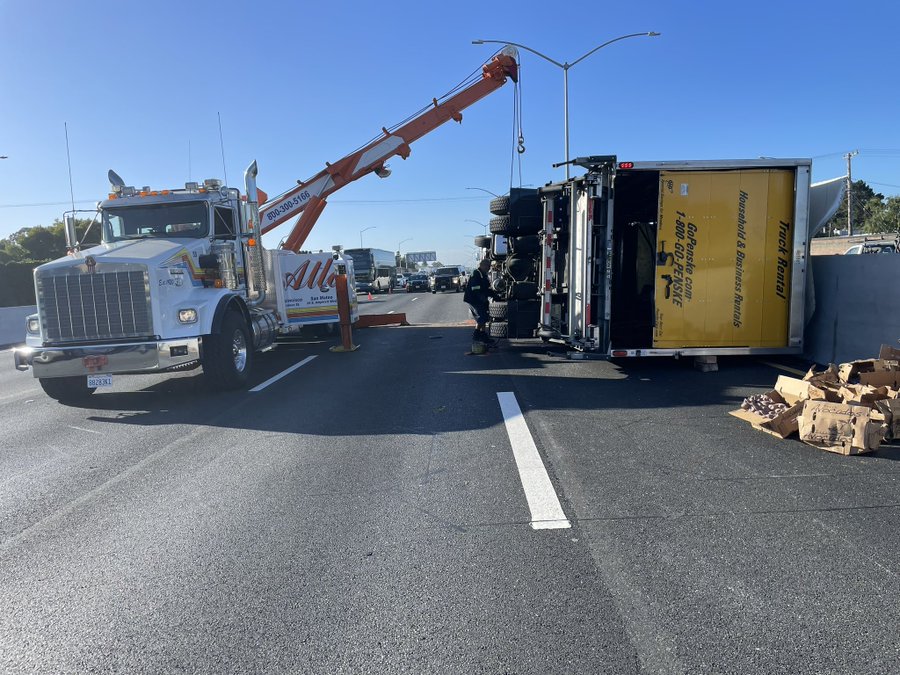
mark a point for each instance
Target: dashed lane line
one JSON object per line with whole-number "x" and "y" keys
{"x": 546, "y": 511}
{"x": 277, "y": 377}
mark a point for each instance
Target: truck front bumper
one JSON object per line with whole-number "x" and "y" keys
{"x": 140, "y": 357}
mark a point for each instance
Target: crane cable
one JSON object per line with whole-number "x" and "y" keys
{"x": 518, "y": 138}
{"x": 470, "y": 79}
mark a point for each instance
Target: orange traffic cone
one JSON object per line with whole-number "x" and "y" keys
{"x": 370, "y": 295}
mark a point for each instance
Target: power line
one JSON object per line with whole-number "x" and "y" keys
{"x": 881, "y": 152}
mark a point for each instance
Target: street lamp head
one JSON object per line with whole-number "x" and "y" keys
{"x": 477, "y": 42}
{"x": 653, "y": 34}
{"x": 483, "y": 190}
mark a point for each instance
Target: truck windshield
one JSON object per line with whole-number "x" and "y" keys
{"x": 190, "y": 221}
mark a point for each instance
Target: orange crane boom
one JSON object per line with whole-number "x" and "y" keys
{"x": 308, "y": 199}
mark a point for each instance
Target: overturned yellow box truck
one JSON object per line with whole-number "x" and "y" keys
{"x": 661, "y": 258}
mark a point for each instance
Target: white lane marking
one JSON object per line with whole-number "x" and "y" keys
{"x": 546, "y": 511}
{"x": 414, "y": 299}
{"x": 290, "y": 370}
{"x": 90, "y": 431}
{"x": 391, "y": 312}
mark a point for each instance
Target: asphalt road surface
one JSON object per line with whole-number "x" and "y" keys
{"x": 387, "y": 510}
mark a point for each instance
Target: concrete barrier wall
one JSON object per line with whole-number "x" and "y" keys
{"x": 857, "y": 307}
{"x": 12, "y": 324}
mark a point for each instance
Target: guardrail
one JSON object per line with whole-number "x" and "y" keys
{"x": 12, "y": 324}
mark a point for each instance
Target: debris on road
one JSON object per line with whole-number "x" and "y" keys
{"x": 848, "y": 409}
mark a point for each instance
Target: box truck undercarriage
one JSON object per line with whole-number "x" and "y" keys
{"x": 662, "y": 258}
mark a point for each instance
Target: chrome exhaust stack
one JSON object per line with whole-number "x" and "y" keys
{"x": 256, "y": 277}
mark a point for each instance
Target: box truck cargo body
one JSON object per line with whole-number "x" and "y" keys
{"x": 664, "y": 258}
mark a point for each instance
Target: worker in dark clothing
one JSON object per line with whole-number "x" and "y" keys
{"x": 478, "y": 290}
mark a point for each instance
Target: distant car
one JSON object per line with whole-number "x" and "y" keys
{"x": 400, "y": 281}
{"x": 448, "y": 279}
{"x": 871, "y": 247}
{"x": 417, "y": 282}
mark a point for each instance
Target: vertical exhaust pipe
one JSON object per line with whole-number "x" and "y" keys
{"x": 71, "y": 235}
{"x": 256, "y": 275}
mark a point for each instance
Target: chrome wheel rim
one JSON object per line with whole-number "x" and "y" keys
{"x": 239, "y": 351}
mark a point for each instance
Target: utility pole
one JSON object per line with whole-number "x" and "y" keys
{"x": 848, "y": 157}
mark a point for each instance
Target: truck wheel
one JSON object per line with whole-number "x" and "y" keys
{"x": 66, "y": 389}
{"x": 499, "y": 225}
{"x": 500, "y": 205}
{"x": 228, "y": 354}
{"x": 483, "y": 241}
{"x": 498, "y": 329}
{"x": 498, "y": 310}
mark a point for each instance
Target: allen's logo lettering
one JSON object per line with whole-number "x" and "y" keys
{"x": 317, "y": 277}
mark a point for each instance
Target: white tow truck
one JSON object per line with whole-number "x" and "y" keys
{"x": 181, "y": 278}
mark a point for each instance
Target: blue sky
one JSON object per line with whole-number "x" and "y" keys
{"x": 301, "y": 83}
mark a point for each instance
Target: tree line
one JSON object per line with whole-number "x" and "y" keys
{"x": 24, "y": 250}
{"x": 871, "y": 212}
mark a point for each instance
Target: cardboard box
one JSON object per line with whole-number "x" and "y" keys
{"x": 876, "y": 372}
{"x": 881, "y": 378}
{"x": 889, "y": 353}
{"x": 890, "y": 409}
{"x": 782, "y": 425}
{"x": 827, "y": 376}
{"x": 863, "y": 394}
{"x": 793, "y": 390}
{"x": 841, "y": 428}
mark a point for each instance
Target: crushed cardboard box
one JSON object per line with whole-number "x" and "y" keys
{"x": 782, "y": 424}
{"x": 890, "y": 409}
{"x": 874, "y": 372}
{"x": 888, "y": 353}
{"x": 794, "y": 390}
{"x": 840, "y": 427}
{"x": 848, "y": 409}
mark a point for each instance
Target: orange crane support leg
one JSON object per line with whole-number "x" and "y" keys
{"x": 304, "y": 224}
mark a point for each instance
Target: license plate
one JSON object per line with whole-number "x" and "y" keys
{"x": 99, "y": 380}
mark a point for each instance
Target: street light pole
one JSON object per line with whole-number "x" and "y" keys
{"x": 565, "y": 68}
{"x": 483, "y": 190}
{"x": 399, "y": 255}
{"x": 365, "y": 229}
{"x": 477, "y": 222}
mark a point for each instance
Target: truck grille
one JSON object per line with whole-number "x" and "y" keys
{"x": 99, "y": 306}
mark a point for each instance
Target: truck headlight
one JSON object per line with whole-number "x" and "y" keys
{"x": 187, "y": 316}
{"x": 33, "y": 325}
